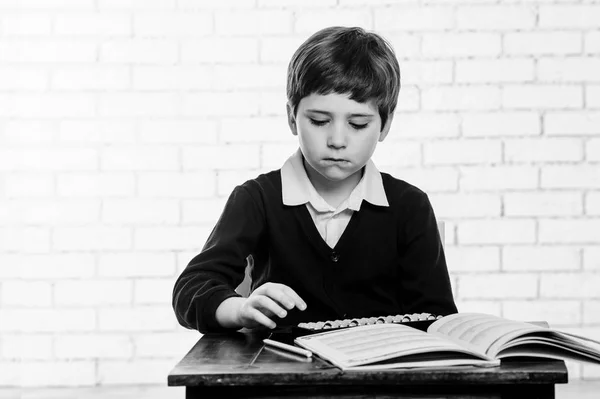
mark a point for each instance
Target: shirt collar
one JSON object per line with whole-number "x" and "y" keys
{"x": 297, "y": 188}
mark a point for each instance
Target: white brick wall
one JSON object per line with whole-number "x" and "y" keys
{"x": 125, "y": 124}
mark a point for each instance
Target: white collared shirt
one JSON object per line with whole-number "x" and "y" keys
{"x": 331, "y": 222}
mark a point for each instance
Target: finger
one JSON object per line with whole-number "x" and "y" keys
{"x": 260, "y": 318}
{"x": 294, "y": 297}
{"x": 267, "y": 304}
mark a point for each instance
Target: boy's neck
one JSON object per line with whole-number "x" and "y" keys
{"x": 333, "y": 192}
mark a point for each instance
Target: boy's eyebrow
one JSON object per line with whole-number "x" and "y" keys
{"x": 318, "y": 111}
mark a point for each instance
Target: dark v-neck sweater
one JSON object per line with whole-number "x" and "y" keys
{"x": 388, "y": 261}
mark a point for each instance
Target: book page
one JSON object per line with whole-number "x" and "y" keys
{"x": 375, "y": 343}
{"x": 480, "y": 332}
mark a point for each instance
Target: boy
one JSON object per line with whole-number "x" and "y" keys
{"x": 331, "y": 237}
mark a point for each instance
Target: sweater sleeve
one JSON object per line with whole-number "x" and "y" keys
{"x": 425, "y": 283}
{"x": 212, "y": 276}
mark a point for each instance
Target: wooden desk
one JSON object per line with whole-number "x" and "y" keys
{"x": 237, "y": 365}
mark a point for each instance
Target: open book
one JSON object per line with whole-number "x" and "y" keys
{"x": 458, "y": 339}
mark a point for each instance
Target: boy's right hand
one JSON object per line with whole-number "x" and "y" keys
{"x": 267, "y": 302}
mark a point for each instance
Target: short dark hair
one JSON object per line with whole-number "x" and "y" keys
{"x": 345, "y": 61}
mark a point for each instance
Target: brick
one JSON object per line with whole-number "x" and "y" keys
{"x": 273, "y": 156}
{"x": 136, "y": 264}
{"x": 499, "y": 231}
{"x": 419, "y": 73}
{"x": 122, "y": 158}
{"x": 49, "y": 266}
{"x": 91, "y": 78}
{"x": 24, "y": 239}
{"x": 105, "y": 184}
{"x": 407, "y": 46}
{"x": 94, "y": 24}
{"x": 153, "y": 291}
{"x": 23, "y": 78}
{"x": 570, "y": 176}
{"x": 177, "y": 24}
{"x": 540, "y": 258}
{"x": 460, "y": 44}
{"x": 576, "y": 123}
{"x": 179, "y": 131}
{"x": 25, "y": 24}
{"x": 592, "y": 203}
{"x": 93, "y": 293}
{"x": 309, "y": 21}
{"x": 254, "y": 130}
{"x": 50, "y": 212}
{"x": 242, "y": 77}
{"x": 138, "y": 104}
{"x": 136, "y": 4}
{"x": 27, "y": 294}
{"x": 177, "y": 185}
{"x": 411, "y": 18}
{"x": 591, "y": 258}
{"x": 140, "y": 211}
{"x": 490, "y": 178}
{"x": 278, "y": 49}
{"x": 150, "y": 371}
{"x": 253, "y": 22}
{"x": 139, "y": 51}
{"x": 146, "y": 319}
{"x": 498, "y": 286}
{"x": 170, "y": 238}
{"x": 556, "y": 313}
{"x": 520, "y": 123}
{"x": 164, "y": 344}
{"x": 222, "y": 104}
{"x": 495, "y": 71}
{"x": 409, "y": 101}
{"x": 461, "y": 98}
{"x": 53, "y": 105}
{"x": 26, "y": 347}
{"x": 93, "y": 346}
{"x": 592, "y": 96}
{"x": 568, "y": 285}
{"x": 592, "y": 150}
{"x": 423, "y": 125}
{"x": 565, "y": 16}
{"x": 30, "y": 131}
{"x": 543, "y": 150}
{"x": 544, "y": 203}
{"x": 47, "y": 51}
{"x": 592, "y": 42}
{"x": 28, "y": 185}
{"x": 458, "y": 205}
{"x": 173, "y": 77}
{"x": 473, "y": 259}
{"x": 304, "y": 3}
{"x": 479, "y": 306}
{"x": 398, "y": 154}
{"x": 580, "y": 231}
{"x": 97, "y": 131}
{"x": 59, "y": 374}
{"x": 542, "y": 43}
{"x": 47, "y": 320}
{"x": 438, "y": 179}
{"x": 91, "y": 238}
{"x": 205, "y": 211}
{"x": 570, "y": 69}
{"x": 469, "y": 151}
{"x": 229, "y": 179}
{"x": 201, "y": 4}
{"x": 36, "y": 5}
{"x": 220, "y": 50}
{"x": 542, "y": 96}
{"x": 221, "y": 157}
{"x": 591, "y": 312}
{"x": 501, "y": 17}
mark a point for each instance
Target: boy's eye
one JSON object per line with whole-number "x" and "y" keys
{"x": 317, "y": 122}
{"x": 358, "y": 127}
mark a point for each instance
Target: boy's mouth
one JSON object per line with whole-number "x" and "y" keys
{"x": 335, "y": 160}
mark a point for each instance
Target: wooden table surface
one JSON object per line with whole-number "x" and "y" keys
{"x": 238, "y": 365}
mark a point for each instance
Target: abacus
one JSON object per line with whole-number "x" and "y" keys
{"x": 417, "y": 320}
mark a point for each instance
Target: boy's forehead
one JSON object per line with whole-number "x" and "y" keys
{"x": 337, "y": 103}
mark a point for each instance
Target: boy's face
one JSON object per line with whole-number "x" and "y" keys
{"x": 337, "y": 135}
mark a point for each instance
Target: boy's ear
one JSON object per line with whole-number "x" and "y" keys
{"x": 386, "y": 128}
{"x": 291, "y": 119}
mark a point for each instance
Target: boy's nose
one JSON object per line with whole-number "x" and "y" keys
{"x": 337, "y": 137}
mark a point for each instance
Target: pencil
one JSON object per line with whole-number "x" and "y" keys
{"x": 289, "y": 348}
